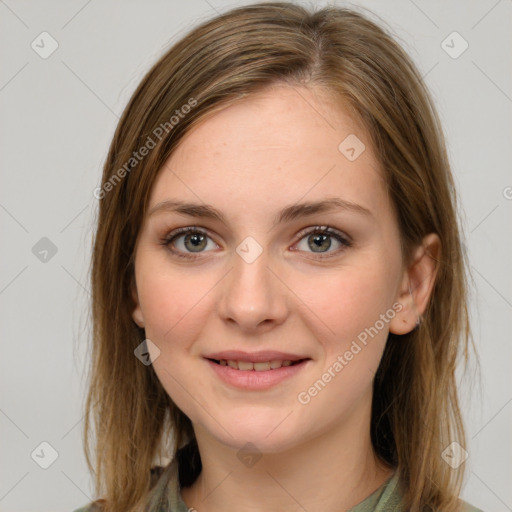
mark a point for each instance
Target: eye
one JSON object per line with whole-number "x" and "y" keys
{"x": 320, "y": 239}
{"x": 184, "y": 242}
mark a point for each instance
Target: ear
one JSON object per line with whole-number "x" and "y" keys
{"x": 137, "y": 315}
{"x": 417, "y": 284}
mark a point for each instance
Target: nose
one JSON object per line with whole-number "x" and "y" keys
{"x": 253, "y": 297}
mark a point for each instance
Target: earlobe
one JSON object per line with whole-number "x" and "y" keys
{"x": 137, "y": 315}
{"x": 417, "y": 285}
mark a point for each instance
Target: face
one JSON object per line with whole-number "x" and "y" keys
{"x": 270, "y": 318}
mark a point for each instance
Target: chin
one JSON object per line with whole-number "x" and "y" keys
{"x": 266, "y": 433}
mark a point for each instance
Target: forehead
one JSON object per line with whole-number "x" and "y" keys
{"x": 275, "y": 147}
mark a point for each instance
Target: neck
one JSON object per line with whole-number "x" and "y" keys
{"x": 330, "y": 472}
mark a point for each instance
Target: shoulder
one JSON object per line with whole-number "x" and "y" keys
{"x": 97, "y": 505}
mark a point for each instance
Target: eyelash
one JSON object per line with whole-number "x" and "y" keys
{"x": 326, "y": 230}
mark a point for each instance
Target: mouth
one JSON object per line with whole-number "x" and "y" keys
{"x": 260, "y": 366}
{"x": 256, "y": 371}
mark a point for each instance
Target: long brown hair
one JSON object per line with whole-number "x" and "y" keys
{"x": 416, "y": 412}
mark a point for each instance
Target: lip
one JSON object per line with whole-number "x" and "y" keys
{"x": 255, "y": 357}
{"x": 251, "y": 380}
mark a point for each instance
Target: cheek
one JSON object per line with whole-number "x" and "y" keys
{"x": 344, "y": 303}
{"x": 175, "y": 310}
{"x": 173, "y": 305}
{"x": 347, "y": 306}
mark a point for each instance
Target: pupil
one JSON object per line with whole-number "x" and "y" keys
{"x": 318, "y": 240}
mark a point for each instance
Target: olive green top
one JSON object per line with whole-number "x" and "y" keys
{"x": 166, "y": 497}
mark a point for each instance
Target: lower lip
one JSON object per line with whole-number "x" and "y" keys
{"x": 253, "y": 380}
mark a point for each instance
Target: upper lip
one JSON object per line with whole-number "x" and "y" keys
{"x": 254, "y": 357}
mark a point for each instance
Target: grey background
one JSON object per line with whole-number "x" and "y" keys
{"x": 57, "y": 118}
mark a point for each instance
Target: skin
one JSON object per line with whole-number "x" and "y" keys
{"x": 249, "y": 160}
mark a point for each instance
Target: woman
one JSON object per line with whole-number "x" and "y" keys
{"x": 279, "y": 290}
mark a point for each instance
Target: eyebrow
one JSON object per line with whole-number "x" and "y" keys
{"x": 287, "y": 214}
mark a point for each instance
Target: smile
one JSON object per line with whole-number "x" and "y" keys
{"x": 256, "y": 375}
{"x": 255, "y": 366}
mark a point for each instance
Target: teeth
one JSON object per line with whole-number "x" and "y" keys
{"x": 261, "y": 367}
{"x": 245, "y": 365}
{"x": 258, "y": 367}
